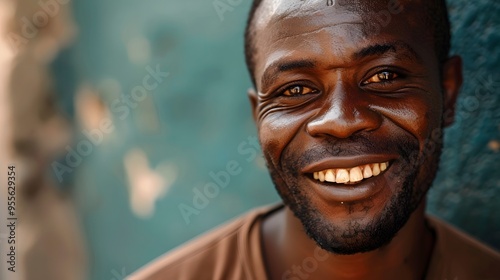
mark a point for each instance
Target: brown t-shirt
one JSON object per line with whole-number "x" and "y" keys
{"x": 233, "y": 251}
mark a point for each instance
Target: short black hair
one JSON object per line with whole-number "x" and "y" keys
{"x": 436, "y": 18}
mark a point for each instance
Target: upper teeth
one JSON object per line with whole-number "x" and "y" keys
{"x": 351, "y": 175}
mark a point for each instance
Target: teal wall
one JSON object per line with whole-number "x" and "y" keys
{"x": 199, "y": 116}
{"x": 467, "y": 190}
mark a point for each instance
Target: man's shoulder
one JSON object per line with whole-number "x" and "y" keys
{"x": 459, "y": 256}
{"x": 220, "y": 252}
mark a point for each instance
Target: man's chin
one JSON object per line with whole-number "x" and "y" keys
{"x": 352, "y": 237}
{"x": 353, "y": 233}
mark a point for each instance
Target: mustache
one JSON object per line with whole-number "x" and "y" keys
{"x": 355, "y": 145}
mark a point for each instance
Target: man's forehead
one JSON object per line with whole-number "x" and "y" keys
{"x": 349, "y": 20}
{"x": 271, "y": 11}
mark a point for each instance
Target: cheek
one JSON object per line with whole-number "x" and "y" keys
{"x": 277, "y": 130}
{"x": 416, "y": 115}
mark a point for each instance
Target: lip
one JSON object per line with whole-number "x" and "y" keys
{"x": 350, "y": 193}
{"x": 347, "y": 162}
{"x": 365, "y": 189}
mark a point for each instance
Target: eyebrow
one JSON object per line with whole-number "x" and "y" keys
{"x": 381, "y": 49}
{"x": 270, "y": 74}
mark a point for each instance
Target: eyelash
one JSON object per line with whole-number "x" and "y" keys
{"x": 281, "y": 92}
{"x": 399, "y": 75}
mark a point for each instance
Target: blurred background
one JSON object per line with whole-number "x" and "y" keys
{"x": 117, "y": 114}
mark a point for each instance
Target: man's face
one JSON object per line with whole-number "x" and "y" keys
{"x": 344, "y": 110}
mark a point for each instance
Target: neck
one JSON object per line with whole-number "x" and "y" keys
{"x": 289, "y": 252}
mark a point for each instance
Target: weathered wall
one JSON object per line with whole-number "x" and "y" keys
{"x": 47, "y": 238}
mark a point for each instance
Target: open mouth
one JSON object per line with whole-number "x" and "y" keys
{"x": 353, "y": 175}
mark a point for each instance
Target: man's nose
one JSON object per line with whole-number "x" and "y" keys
{"x": 344, "y": 113}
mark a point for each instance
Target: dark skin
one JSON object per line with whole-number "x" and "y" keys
{"x": 331, "y": 93}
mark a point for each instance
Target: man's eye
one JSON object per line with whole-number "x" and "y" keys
{"x": 298, "y": 90}
{"x": 381, "y": 77}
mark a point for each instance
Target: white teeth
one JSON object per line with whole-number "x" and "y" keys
{"x": 367, "y": 171}
{"x": 352, "y": 175}
{"x": 321, "y": 176}
{"x": 375, "y": 169}
{"x": 342, "y": 176}
{"x": 329, "y": 176}
{"x": 355, "y": 174}
{"x": 383, "y": 166}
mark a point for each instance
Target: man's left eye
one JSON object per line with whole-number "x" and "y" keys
{"x": 381, "y": 77}
{"x": 298, "y": 90}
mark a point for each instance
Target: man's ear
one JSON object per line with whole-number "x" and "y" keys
{"x": 451, "y": 81}
{"x": 252, "y": 95}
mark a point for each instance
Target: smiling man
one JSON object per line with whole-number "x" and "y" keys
{"x": 350, "y": 100}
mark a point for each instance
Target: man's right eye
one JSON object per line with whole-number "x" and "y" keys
{"x": 298, "y": 90}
